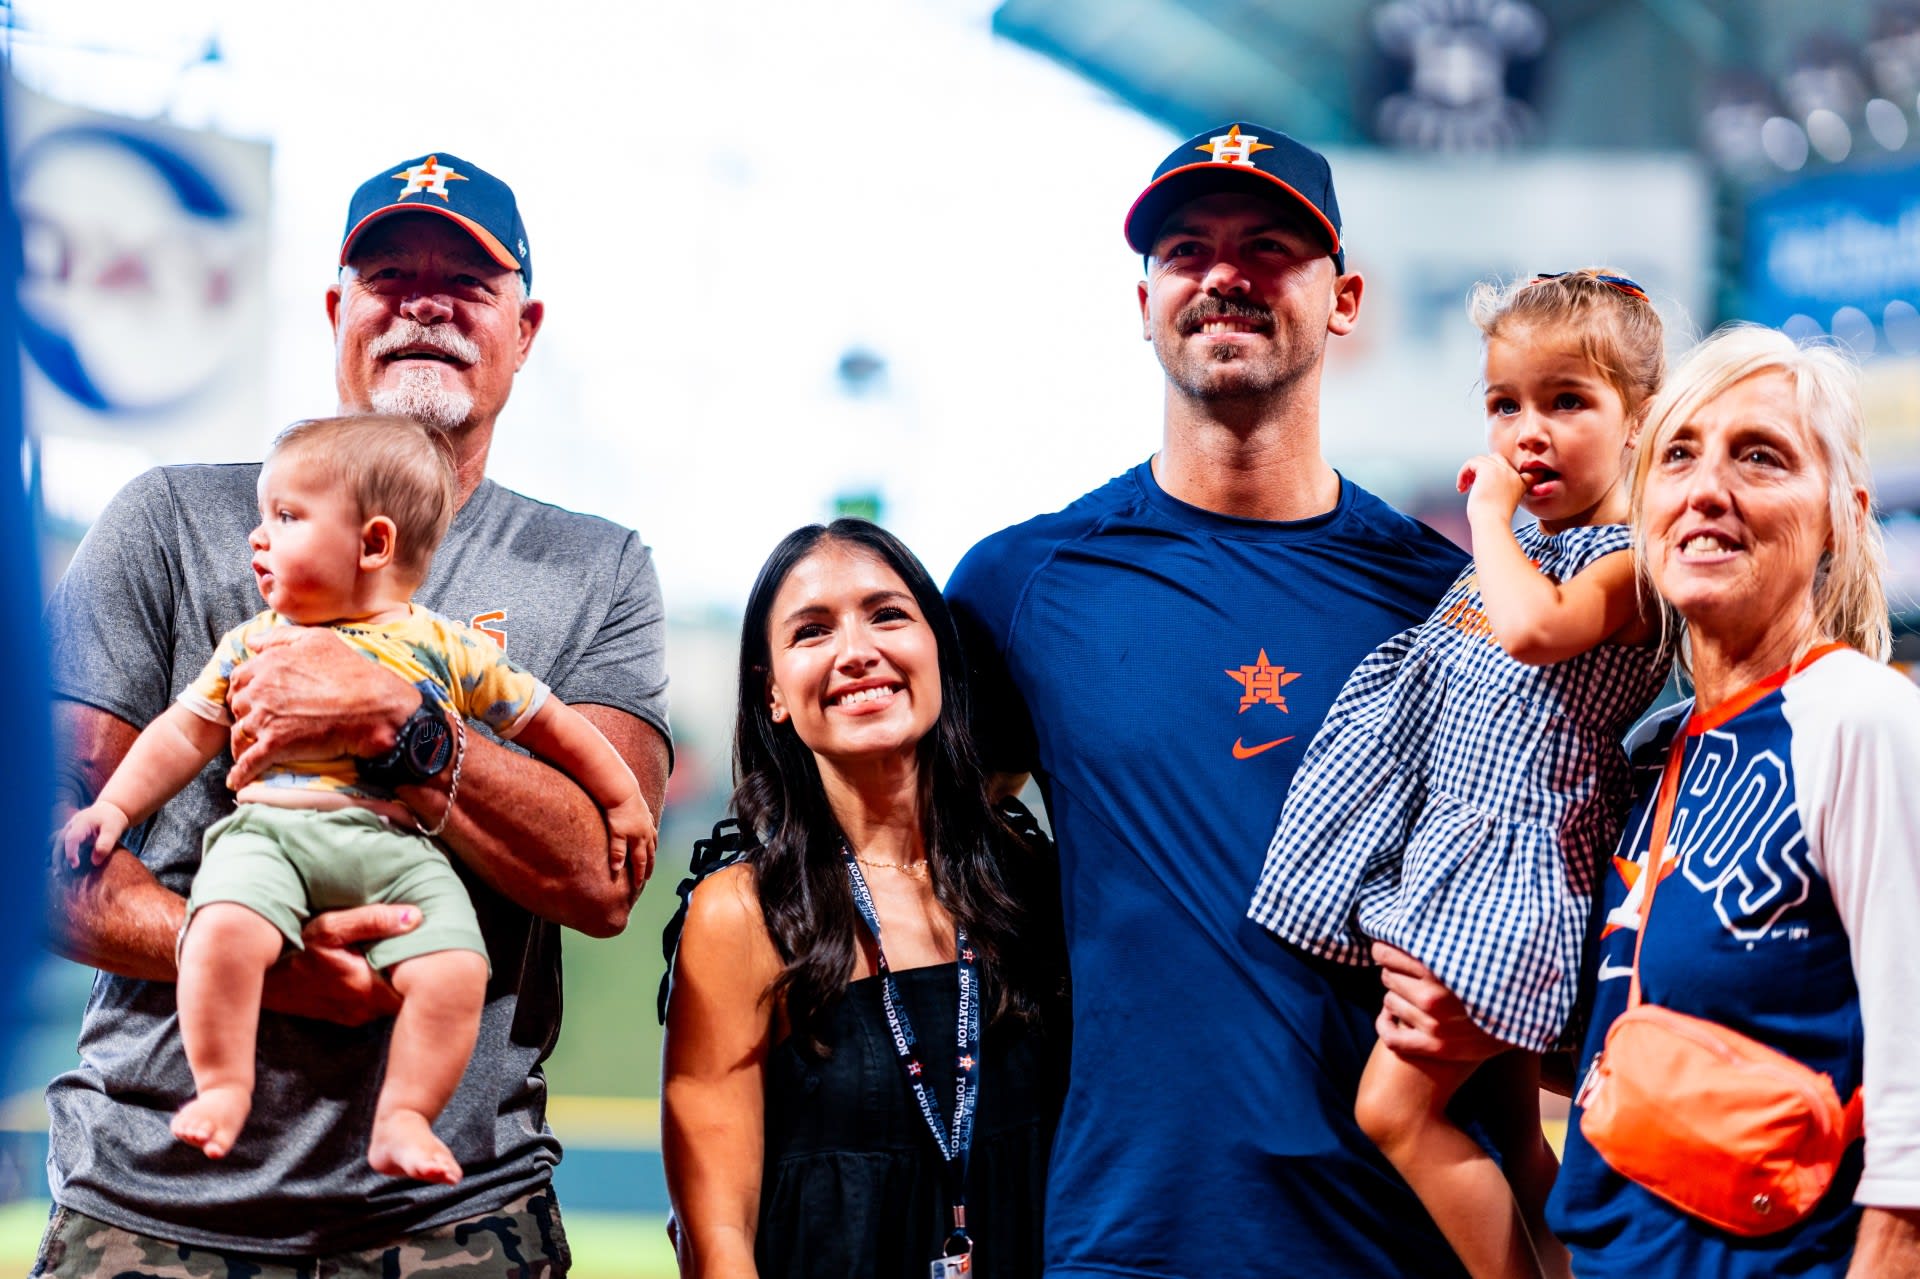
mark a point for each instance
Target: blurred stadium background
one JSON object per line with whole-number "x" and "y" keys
{"x": 866, "y": 258}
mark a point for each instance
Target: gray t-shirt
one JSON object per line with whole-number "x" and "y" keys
{"x": 162, "y": 574}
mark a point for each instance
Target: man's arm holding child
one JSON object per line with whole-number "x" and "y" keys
{"x": 119, "y": 917}
{"x": 529, "y": 831}
{"x": 565, "y": 738}
{"x": 168, "y": 753}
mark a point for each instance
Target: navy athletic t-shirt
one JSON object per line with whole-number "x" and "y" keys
{"x": 1162, "y": 669}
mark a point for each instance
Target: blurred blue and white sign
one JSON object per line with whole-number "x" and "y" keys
{"x": 1839, "y": 253}
{"x": 1458, "y": 75}
{"x": 143, "y": 295}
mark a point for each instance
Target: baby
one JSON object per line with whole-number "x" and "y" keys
{"x": 351, "y": 511}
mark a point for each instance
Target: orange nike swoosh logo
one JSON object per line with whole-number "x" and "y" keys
{"x": 1242, "y": 751}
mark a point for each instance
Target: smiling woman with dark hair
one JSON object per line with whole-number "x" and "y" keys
{"x": 863, "y": 1060}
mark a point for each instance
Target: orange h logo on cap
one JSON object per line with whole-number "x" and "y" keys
{"x": 429, "y": 177}
{"x": 1234, "y": 147}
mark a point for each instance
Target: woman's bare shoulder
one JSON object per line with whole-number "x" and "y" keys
{"x": 724, "y": 911}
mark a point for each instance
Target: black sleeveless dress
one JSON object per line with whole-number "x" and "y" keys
{"x": 853, "y": 1187}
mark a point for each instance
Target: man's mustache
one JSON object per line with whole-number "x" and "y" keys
{"x": 438, "y": 337}
{"x": 1208, "y": 309}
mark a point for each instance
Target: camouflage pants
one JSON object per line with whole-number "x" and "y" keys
{"x": 523, "y": 1240}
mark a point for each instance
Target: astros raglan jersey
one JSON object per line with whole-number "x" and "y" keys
{"x": 1787, "y": 912}
{"x": 1162, "y": 669}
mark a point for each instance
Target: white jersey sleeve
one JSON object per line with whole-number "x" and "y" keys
{"x": 1856, "y": 768}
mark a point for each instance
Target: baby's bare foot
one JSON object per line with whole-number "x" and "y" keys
{"x": 403, "y": 1145}
{"x": 213, "y": 1119}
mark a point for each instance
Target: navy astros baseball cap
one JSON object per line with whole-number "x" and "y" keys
{"x": 1239, "y": 157}
{"x": 441, "y": 182}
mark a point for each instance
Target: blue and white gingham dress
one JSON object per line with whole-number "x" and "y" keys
{"x": 1457, "y": 803}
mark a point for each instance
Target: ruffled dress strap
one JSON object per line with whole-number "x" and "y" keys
{"x": 1562, "y": 555}
{"x": 726, "y": 845}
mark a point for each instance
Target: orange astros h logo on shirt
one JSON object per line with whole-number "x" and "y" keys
{"x": 1469, "y": 618}
{"x": 1639, "y": 884}
{"x": 1260, "y": 684}
{"x": 496, "y": 633}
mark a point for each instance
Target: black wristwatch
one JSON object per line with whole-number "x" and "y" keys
{"x": 420, "y": 751}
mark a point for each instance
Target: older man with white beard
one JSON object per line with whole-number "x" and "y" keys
{"x": 432, "y": 318}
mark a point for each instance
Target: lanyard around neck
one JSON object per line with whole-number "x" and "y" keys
{"x": 955, "y": 1143}
{"x": 1656, "y": 862}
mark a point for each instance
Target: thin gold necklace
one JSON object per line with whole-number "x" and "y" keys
{"x": 912, "y": 870}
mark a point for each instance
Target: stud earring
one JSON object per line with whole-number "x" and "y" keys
{"x": 779, "y": 714}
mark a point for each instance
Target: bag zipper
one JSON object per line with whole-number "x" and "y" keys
{"x": 1816, "y": 1102}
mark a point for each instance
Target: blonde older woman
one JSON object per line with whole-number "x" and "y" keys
{"x": 1786, "y": 895}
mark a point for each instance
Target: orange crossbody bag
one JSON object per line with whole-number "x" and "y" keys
{"x": 1716, "y": 1123}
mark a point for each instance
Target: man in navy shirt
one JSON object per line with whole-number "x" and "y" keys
{"x": 1160, "y": 653}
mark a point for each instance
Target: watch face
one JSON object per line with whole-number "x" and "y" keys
{"x": 428, "y": 744}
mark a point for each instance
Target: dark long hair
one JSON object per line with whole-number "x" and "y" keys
{"x": 993, "y": 877}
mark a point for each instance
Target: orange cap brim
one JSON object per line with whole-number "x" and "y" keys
{"x": 1143, "y": 241}
{"x": 483, "y": 237}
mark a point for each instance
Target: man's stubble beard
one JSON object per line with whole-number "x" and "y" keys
{"x": 1224, "y": 373}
